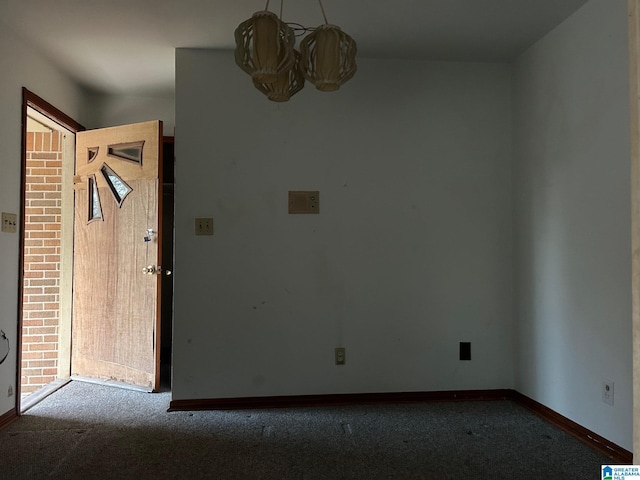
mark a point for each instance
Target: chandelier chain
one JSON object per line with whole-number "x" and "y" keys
{"x": 323, "y": 14}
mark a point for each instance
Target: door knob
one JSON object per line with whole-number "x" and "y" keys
{"x": 151, "y": 270}
{"x": 155, "y": 270}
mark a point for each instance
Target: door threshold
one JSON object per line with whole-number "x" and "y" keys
{"x": 36, "y": 397}
{"x": 110, "y": 383}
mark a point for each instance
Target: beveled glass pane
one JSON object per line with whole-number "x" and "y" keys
{"x": 118, "y": 187}
{"x": 127, "y": 151}
{"x": 93, "y": 196}
{"x": 92, "y": 153}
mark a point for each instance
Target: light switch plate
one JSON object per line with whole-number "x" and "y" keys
{"x": 204, "y": 226}
{"x": 9, "y": 222}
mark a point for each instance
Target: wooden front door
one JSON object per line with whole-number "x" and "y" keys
{"x": 117, "y": 252}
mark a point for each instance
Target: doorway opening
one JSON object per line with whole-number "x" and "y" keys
{"x": 47, "y": 253}
{"x": 47, "y": 256}
{"x": 168, "y": 219}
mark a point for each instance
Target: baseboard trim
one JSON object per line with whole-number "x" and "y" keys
{"x": 615, "y": 452}
{"x": 8, "y": 418}
{"x": 242, "y": 403}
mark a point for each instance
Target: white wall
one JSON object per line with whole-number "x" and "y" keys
{"x": 410, "y": 255}
{"x": 572, "y": 220}
{"x": 20, "y": 66}
{"x": 412, "y": 250}
{"x": 109, "y": 110}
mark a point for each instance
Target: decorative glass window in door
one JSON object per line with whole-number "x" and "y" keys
{"x": 95, "y": 209}
{"x": 127, "y": 151}
{"x": 92, "y": 153}
{"x": 131, "y": 152}
{"x": 117, "y": 185}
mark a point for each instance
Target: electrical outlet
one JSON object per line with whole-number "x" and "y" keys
{"x": 10, "y": 392}
{"x": 9, "y": 222}
{"x": 607, "y": 392}
{"x": 340, "y": 356}
{"x": 204, "y": 226}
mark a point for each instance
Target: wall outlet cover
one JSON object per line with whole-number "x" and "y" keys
{"x": 204, "y": 226}
{"x": 465, "y": 350}
{"x": 607, "y": 392}
{"x": 9, "y": 222}
{"x": 341, "y": 356}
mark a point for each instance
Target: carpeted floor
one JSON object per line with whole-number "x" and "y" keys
{"x": 86, "y": 431}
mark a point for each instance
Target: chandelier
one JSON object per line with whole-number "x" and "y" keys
{"x": 265, "y": 49}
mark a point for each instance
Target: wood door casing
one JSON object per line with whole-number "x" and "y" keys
{"x": 116, "y": 315}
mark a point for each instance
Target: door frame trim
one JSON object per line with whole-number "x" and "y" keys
{"x": 30, "y": 99}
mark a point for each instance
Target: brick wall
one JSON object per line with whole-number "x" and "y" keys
{"x": 43, "y": 200}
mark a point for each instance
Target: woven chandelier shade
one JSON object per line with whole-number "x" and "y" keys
{"x": 264, "y": 47}
{"x": 265, "y": 50}
{"x": 287, "y": 84}
{"x": 328, "y": 57}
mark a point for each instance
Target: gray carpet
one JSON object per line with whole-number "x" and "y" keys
{"x": 88, "y": 431}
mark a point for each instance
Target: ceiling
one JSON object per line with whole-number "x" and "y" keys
{"x": 127, "y": 46}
